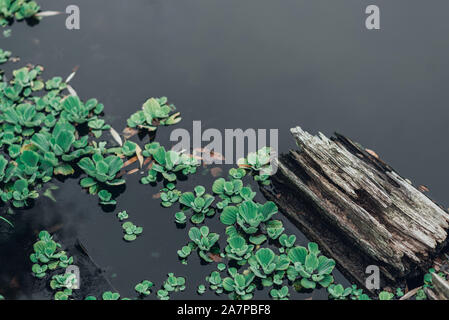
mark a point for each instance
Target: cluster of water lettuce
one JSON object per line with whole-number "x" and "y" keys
{"x": 50, "y": 263}
{"x": 44, "y": 132}
{"x": 258, "y": 251}
{"x": 48, "y": 257}
{"x": 11, "y": 10}
{"x": 253, "y": 237}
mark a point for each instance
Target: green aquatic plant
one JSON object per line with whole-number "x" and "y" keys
{"x": 19, "y": 193}
{"x": 155, "y": 112}
{"x": 171, "y": 284}
{"x": 169, "y": 195}
{"x": 200, "y": 202}
{"x": 39, "y": 271}
{"x": 313, "y": 268}
{"x": 265, "y": 262}
{"x": 163, "y": 294}
{"x": 131, "y": 231}
{"x": 102, "y": 172}
{"x": 98, "y": 126}
{"x": 237, "y": 173}
{"x": 221, "y": 267}
{"x": 4, "y": 56}
{"x": 66, "y": 280}
{"x": 237, "y": 249}
{"x": 274, "y": 228}
{"x": 102, "y": 169}
{"x": 129, "y": 148}
{"x": 338, "y": 292}
{"x": 421, "y": 295}
{"x": 215, "y": 282}
{"x": 240, "y": 286}
{"x": 23, "y": 117}
{"x": 357, "y": 294}
{"x": 60, "y": 146}
{"x": 143, "y": 288}
{"x": 201, "y": 289}
{"x": 48, "y": 255}
{"x": 204, "y": 241}
{"x": 55, "y": 83}
{"x": 123, "y": 215}
{"x": 231, "y": 191}
{"x": 167, "y": 163}
{"x": 248, "y": 215}
{"x": 399, "y": 293}
{"x": 259, "y": 163}
{"x": 286, "y": 242}
{"x": 106, "y": 197}
{"x": 180, "y": 217}
{"x": 109, "y": 295}
{"x": 41, "y": 134}
{"x": 185, "y": 251}
{"x": 280, "y": 294}
{"x": 75, "y": 111}
{"x": 17, "y": 9}
{"x": 63, "y": 295}
{"x": 385, "y": 295}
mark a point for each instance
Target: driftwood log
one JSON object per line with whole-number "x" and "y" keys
{"x": 358, "y": 209}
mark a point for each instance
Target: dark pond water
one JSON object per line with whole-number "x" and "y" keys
{"x": 234, "y": 64}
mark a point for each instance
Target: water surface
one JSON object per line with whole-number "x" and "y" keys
{"x": 234, "y": 64}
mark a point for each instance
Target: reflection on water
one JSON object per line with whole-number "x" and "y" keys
{"x": 232, "y": 64}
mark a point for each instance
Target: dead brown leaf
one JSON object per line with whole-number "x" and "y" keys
{"x": 147, "y": 160}
{"x": 129, "y": 132}
{"x": 157, "y": 195}
{"x": 423, "y": 188}
{"x": 121, "y": 173}
{"x": 215, "y": 257}
{"x": 197, "y": 153}
{"x": 130, "y": 161}
{"x": 133, "y": 171}
{"x": 216, "y": 172}
{"x": 371, "y": 152}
